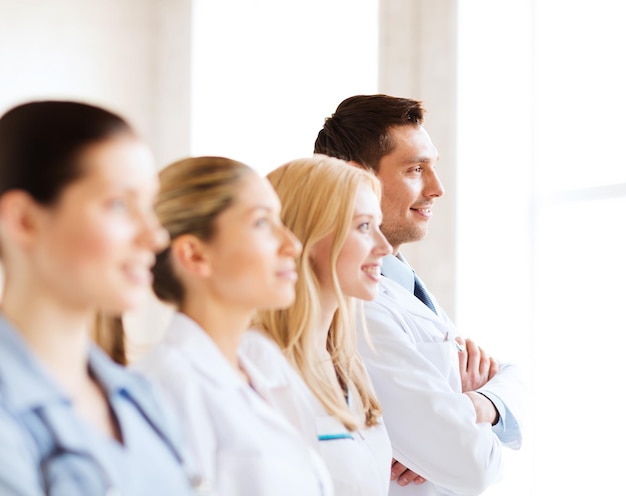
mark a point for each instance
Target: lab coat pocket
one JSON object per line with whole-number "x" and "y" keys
{"x": 340, "y": 452}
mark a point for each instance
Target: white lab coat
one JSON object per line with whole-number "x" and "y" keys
{"x": 240, "y": 445}
{"x": 413, "y": 363}
{"x": 360, "y": 462}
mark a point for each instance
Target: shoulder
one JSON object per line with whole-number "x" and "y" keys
{"x": 12, "y": 431}
{"x": 160, "y": 360}
{"x": 390, "y": 297}
{"x": 267, "y": 364}
{"x": 260, "y": 350}
{"x": 166, "y": 362}
{"x": 18, "y": 458}
{"x": 167, "y": 375}
{"x": 256, "y": 343}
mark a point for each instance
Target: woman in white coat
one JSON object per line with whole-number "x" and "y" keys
{"x": 334, "y": 209}
{"x": 229, "y": 256}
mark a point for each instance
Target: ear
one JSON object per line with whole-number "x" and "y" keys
{"x": 19, "y": 215}
{"x": 192, "y": 255}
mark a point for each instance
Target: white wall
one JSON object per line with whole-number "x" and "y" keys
{"x": 133, "y": 57}
{"x": 418, "y": 59}
{"x": 101, "y": 52}
{"x": 129, "y": 56}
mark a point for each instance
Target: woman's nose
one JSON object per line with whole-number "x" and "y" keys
{"x": 382, "y": 246}
{"x": 291, "y": 244}
{"x": 153, "y": 234}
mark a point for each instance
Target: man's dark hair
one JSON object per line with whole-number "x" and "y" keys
{"x": 359, "y": 130}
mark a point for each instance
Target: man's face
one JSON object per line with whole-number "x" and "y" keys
{"x": 410, "y": 185}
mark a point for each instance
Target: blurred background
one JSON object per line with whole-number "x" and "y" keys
{"x": 526, "y": 105}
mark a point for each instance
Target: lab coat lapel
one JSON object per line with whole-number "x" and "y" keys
{"x": 404, "y": 300}
{"x": 266, "y": 385}
{"x": 209, "y": 362}
{"x": 201, "y": 352}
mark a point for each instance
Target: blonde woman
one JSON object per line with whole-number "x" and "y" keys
{"x": 78, "y": 235}
{"x": 334, "y": 209}
{"x": 230, "y": 255}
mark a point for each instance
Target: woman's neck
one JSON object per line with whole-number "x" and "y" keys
{"x": 328, "y": 307}
{"x": 58, "y": 335}
{"x": 224, "y": 323}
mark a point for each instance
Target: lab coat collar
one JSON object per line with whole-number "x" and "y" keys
{"x": 398, "y": 274}
{"x": 400, "y": 297}
{"x": 196, "y": 345}
{"x": 273, "y": 375}
{"x": 28, "y": 385}
{"x": 397, "y": 269}
{"x": 22, "y": 378}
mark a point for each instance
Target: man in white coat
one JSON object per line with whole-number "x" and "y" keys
{"x": 448, "y": 407}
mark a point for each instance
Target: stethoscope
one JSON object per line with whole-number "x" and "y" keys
{"x": 200, "y": 486}
{"x": 62, "y": 452}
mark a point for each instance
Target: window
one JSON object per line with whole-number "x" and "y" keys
{"x": 266, "y": 74}
{"x": 542, "y": 183}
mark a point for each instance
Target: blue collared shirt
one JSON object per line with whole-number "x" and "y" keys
{"x": 46, "y": 448}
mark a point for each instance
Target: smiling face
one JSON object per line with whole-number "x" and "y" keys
{"x": 359, "y": 260}
{"x": 410, "y": 185}
{"x": 96, "y": 244}
{"x": 252, "y": 253}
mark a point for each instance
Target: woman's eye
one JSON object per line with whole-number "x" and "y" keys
{"x": 117, "y": 204}
{"x": 262, "y": 222}
{"x": 364, "y": 227}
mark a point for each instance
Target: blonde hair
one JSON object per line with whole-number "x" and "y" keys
{"x": 193, "y": 193}
{"x": 318, "y": 196}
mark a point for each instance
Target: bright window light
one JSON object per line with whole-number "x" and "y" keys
{"x": 267, "y": 73}
{"x": 542, "y": 200}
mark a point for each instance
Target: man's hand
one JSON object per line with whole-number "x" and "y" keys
{"x": 403, "y": 475}
{"x": 485, "y": 409}
{"x": 475, "y": 365}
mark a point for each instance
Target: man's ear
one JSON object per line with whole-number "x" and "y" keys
{"x": 19, "y": 216}
{"x": 192, "y": 255}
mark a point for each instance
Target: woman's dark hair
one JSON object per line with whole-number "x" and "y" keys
{"x": 40, "y": 147}
{"x": 40, "y": 144}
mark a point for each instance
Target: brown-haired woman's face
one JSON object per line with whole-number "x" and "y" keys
{"x": 96, "y": 245}
{"x": 252, "y": 253}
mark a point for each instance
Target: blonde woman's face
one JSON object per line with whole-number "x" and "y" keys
{"x": 96, "y": 245}
{"x": 253, "y": 255}
{"x": 360, "y": 258}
